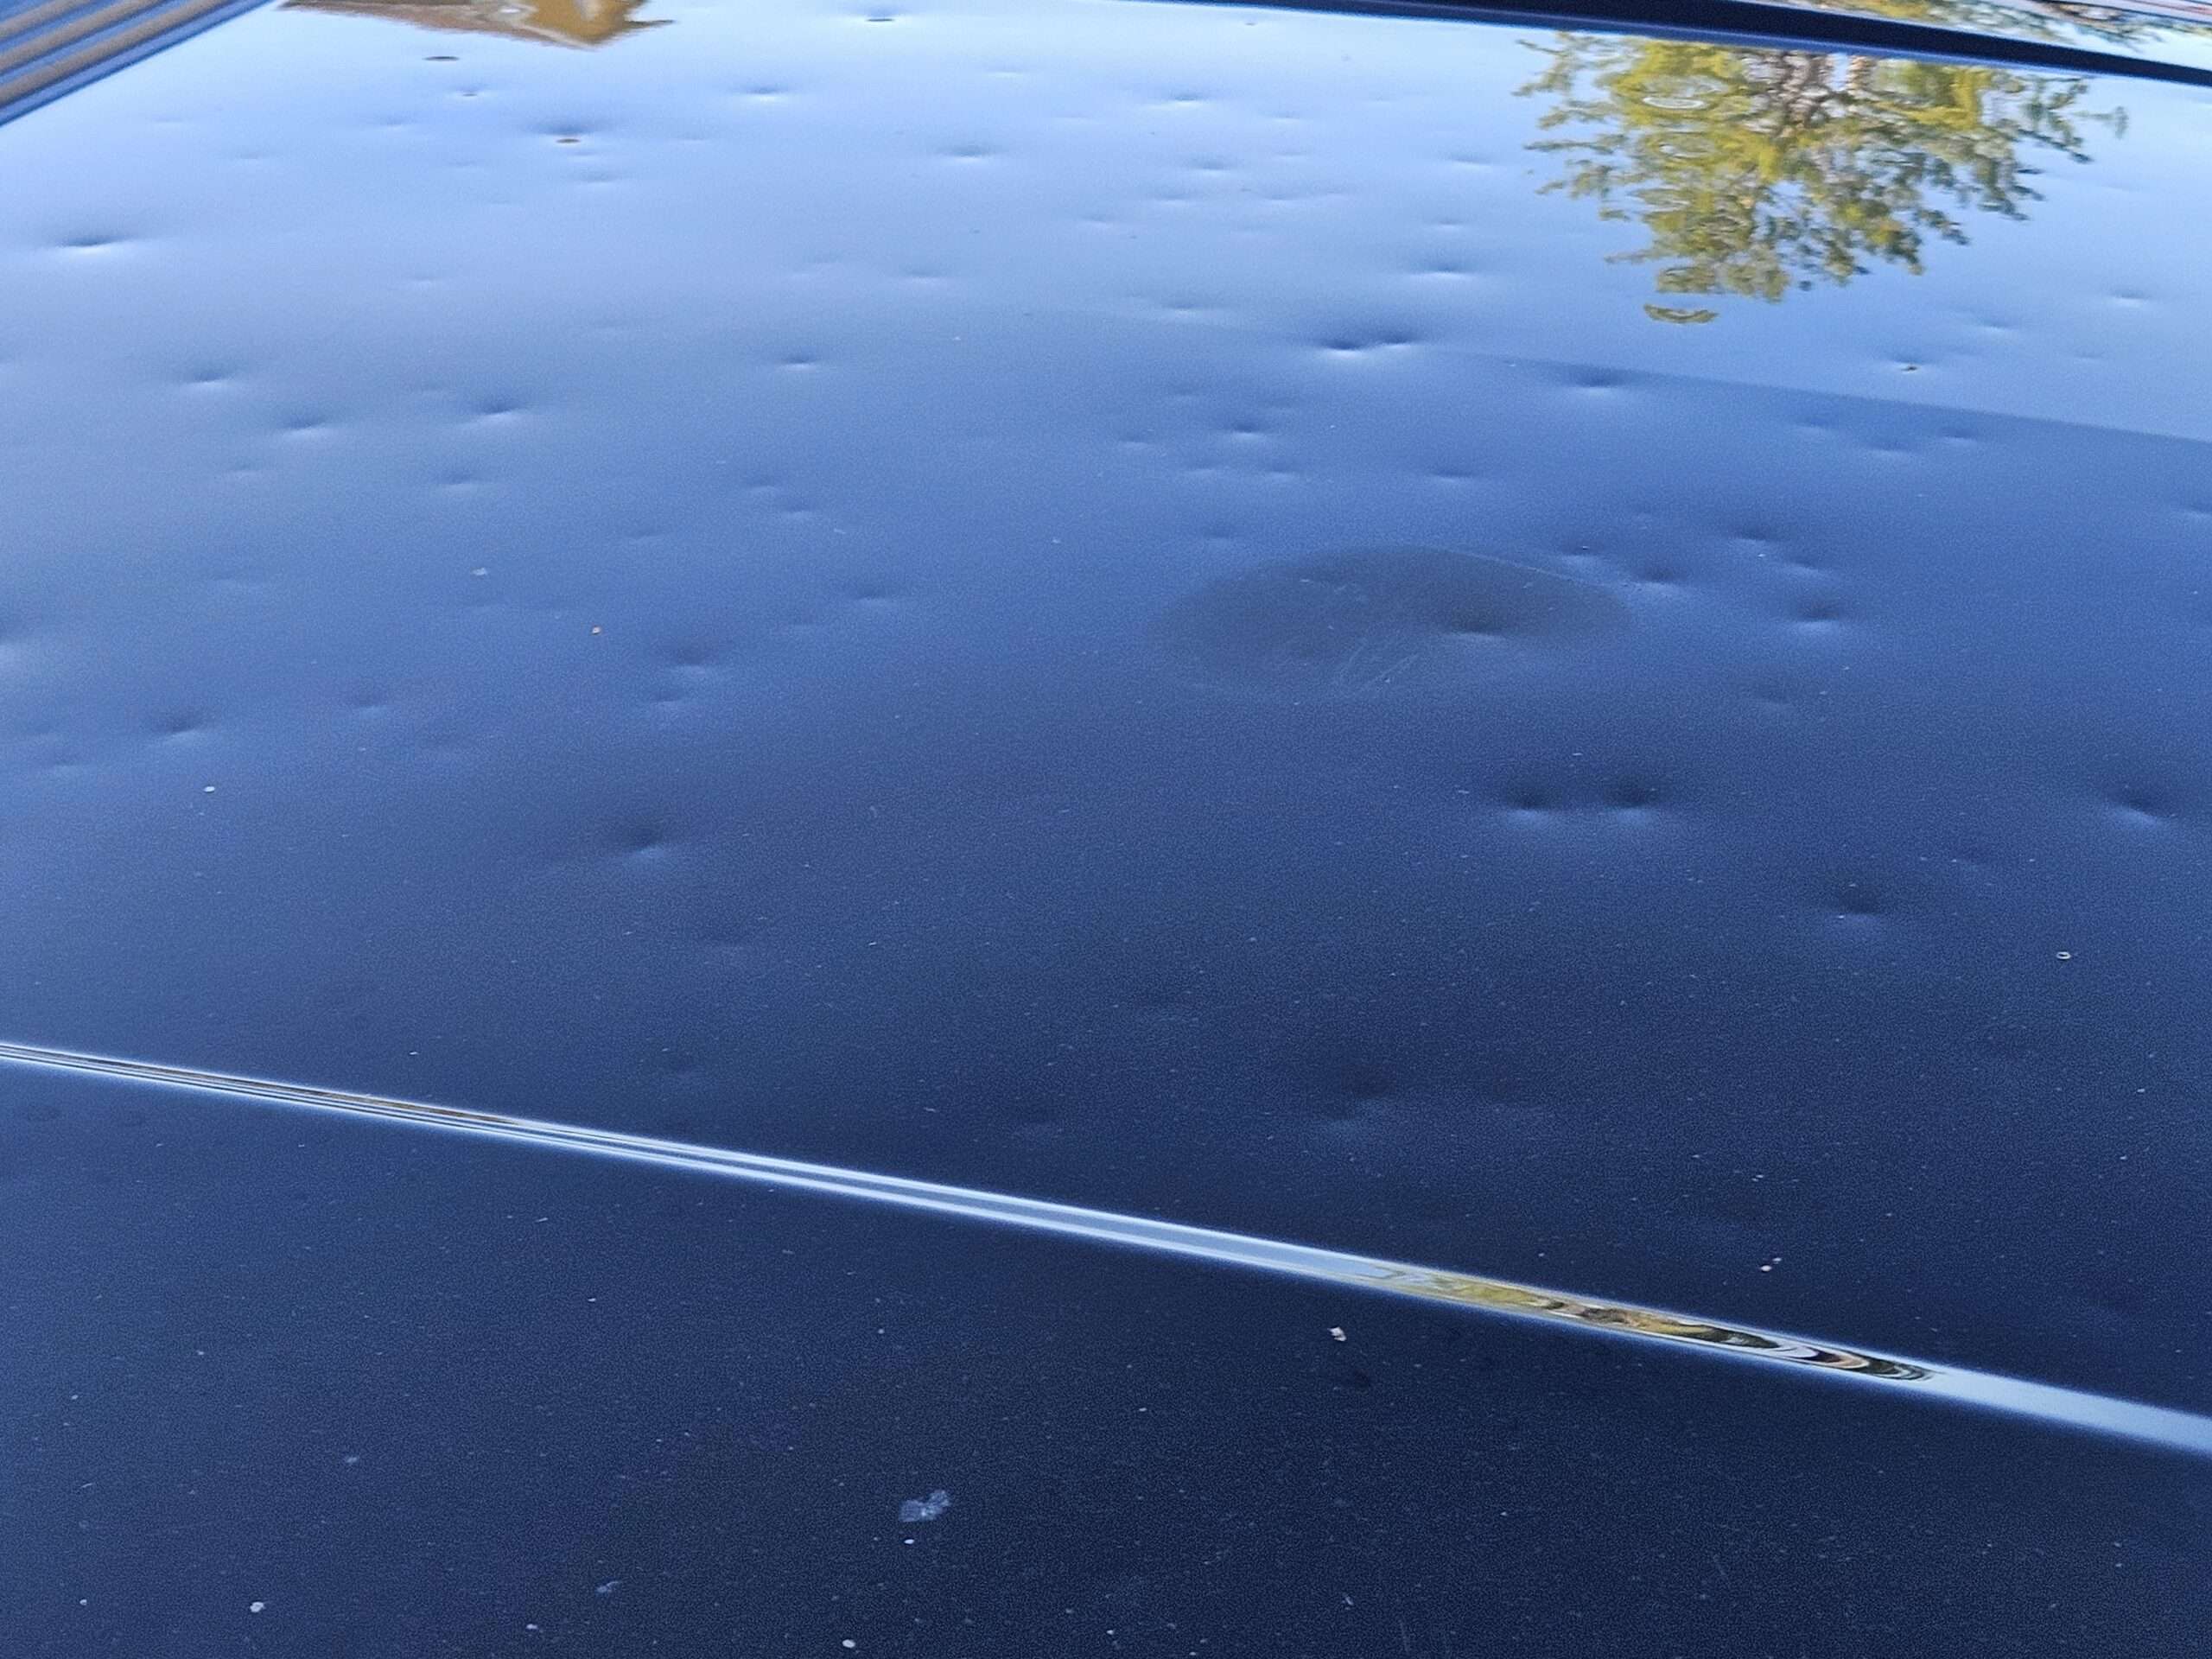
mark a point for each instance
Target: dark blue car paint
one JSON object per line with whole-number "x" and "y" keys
{"x": 835, "y": 583}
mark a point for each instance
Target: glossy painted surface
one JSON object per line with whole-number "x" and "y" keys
{"x": 1579, "y": 658}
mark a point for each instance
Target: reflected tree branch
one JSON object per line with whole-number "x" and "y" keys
{"x": 1757, "y": 171}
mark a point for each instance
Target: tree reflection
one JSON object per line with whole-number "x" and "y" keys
{"x": 1757, "y": 170}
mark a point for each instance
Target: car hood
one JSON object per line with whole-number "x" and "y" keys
{"x": 1393, "y": 827}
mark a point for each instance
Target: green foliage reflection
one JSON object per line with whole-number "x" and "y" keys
{"x": 1755, "y": 171}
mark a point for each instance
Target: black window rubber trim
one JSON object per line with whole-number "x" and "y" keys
{"x": 1756, "y": 22}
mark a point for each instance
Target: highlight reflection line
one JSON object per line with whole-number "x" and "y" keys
{"x": 2046, "y": 1402}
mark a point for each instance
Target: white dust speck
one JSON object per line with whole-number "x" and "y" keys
{"x": 1336, "y": 1334}
{"x": 255, "y": 1607}
{"x": 925, "y": 1508}
{"x": 606, "y": 1589}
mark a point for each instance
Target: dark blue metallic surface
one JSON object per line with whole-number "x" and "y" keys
{"x": 836, "y": 583}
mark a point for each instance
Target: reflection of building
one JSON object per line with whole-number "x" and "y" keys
{"x": 51, "y": 46}
{"x": 47, "y": 50}
{"x": 559, "y": 22}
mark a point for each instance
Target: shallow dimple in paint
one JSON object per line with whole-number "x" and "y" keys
{"x": 1367, "y": 621}
{"x": 1362, "y": 344}
{"x": 2143, "y": 812}
{"x": 1819, "y": 615}
{"x": 1858, "y": 900}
